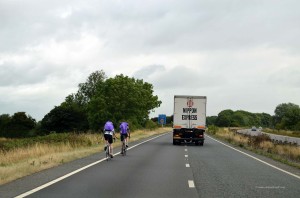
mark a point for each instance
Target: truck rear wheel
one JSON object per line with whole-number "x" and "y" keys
{"x": 174, "y": 142}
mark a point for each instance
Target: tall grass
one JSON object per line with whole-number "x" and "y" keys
{"x": 262, "y": 144}
{"x": 20, "y": 159}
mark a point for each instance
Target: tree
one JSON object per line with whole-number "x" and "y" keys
{"x": 122, "y": 98}
{"x": 225, "y": 118}
{"x": 265, "y": 120}
{"x": 211, "y": 120}
{"x": 88, "y": 89}
{"x": 4, "y": 122}
{"x": 64, "y": 118}
{"x": 20, "y": 125}
{"x": 287, "y": 116}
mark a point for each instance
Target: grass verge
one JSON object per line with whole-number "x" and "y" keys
{"x": 40, "y": 155}
{"x": 282, "y": 132}
{"x": 288, "y": 154}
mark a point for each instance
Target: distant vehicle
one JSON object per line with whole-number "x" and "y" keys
{"x": 189, "y": 120}
{"x": 253, "y": 128}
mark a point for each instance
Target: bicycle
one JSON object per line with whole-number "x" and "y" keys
{"x": 124, "y": 147}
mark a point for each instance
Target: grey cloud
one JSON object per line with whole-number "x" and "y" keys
{"x": 13, "y": 74}
{"x": 148, "y": 71}
{"x": 286, "y": 77}
{"x": 154, "y": 25}
{"x": 185, "y": 78}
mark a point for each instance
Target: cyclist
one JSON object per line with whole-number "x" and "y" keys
{"x": 109, "y": 133}
{"x": 124, "y": 132}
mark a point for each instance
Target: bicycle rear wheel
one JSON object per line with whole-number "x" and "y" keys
{"x": 124, "y": 148}
{"x": 107, "y": 153}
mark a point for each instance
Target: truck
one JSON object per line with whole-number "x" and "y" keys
{"x": 189, "y": 119}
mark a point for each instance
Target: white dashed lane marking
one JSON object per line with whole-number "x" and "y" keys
{"x": 187, "y": 165}
{"x": 191, "y": 184}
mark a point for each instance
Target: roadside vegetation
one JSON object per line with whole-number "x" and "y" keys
{"x": 288, "y": 154}
{"x": 21, "y": 157}
{"x": 283, "y": 132}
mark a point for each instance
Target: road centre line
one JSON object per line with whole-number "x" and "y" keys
{"x": 77, "y": 171}
{"x": 191, "y": 184}
{"x": 266, "y": 163}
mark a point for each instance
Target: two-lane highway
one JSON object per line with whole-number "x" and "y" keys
{"x": 156, "y": 168}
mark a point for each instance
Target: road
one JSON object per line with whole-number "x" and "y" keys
{"x": 157, "y": 168}
{"x": 275, "y": 138}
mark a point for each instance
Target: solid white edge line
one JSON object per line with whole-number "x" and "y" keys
{"x": 77, "y": 171}
{"x": 191, "y": 184}
{"x": 266, "y": 163}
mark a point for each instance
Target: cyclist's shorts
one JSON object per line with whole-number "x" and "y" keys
{"x": 108, "y": 138}
{"x": 123, "y": 136}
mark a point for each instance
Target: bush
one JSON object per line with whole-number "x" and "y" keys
{"x": 255, "y": 141}
{"x": 150, "y": 125}
{"x": 213, "y": 129}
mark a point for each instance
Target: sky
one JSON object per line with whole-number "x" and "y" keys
{"x": 241, "y": 54}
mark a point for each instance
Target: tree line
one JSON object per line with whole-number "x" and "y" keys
{"x": 286, "y": 117}
{"x": 97, "y": 100}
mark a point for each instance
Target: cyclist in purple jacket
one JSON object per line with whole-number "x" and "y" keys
{"x": 124, "y": 132}
{"x": 109, "y": 132}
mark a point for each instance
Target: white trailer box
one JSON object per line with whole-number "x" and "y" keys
{"x": 189, "y": 121}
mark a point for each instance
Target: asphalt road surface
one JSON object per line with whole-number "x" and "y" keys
{"x": 157, "y": 168}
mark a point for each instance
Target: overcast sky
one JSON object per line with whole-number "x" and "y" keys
{"x": 241, "y": 54}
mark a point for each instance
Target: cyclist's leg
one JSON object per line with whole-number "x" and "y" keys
{"x": 126, "y": 142}
{"x": 122, "y": 140}
{"x": 110, "y": 141}
{"x": 106, "y": 142}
